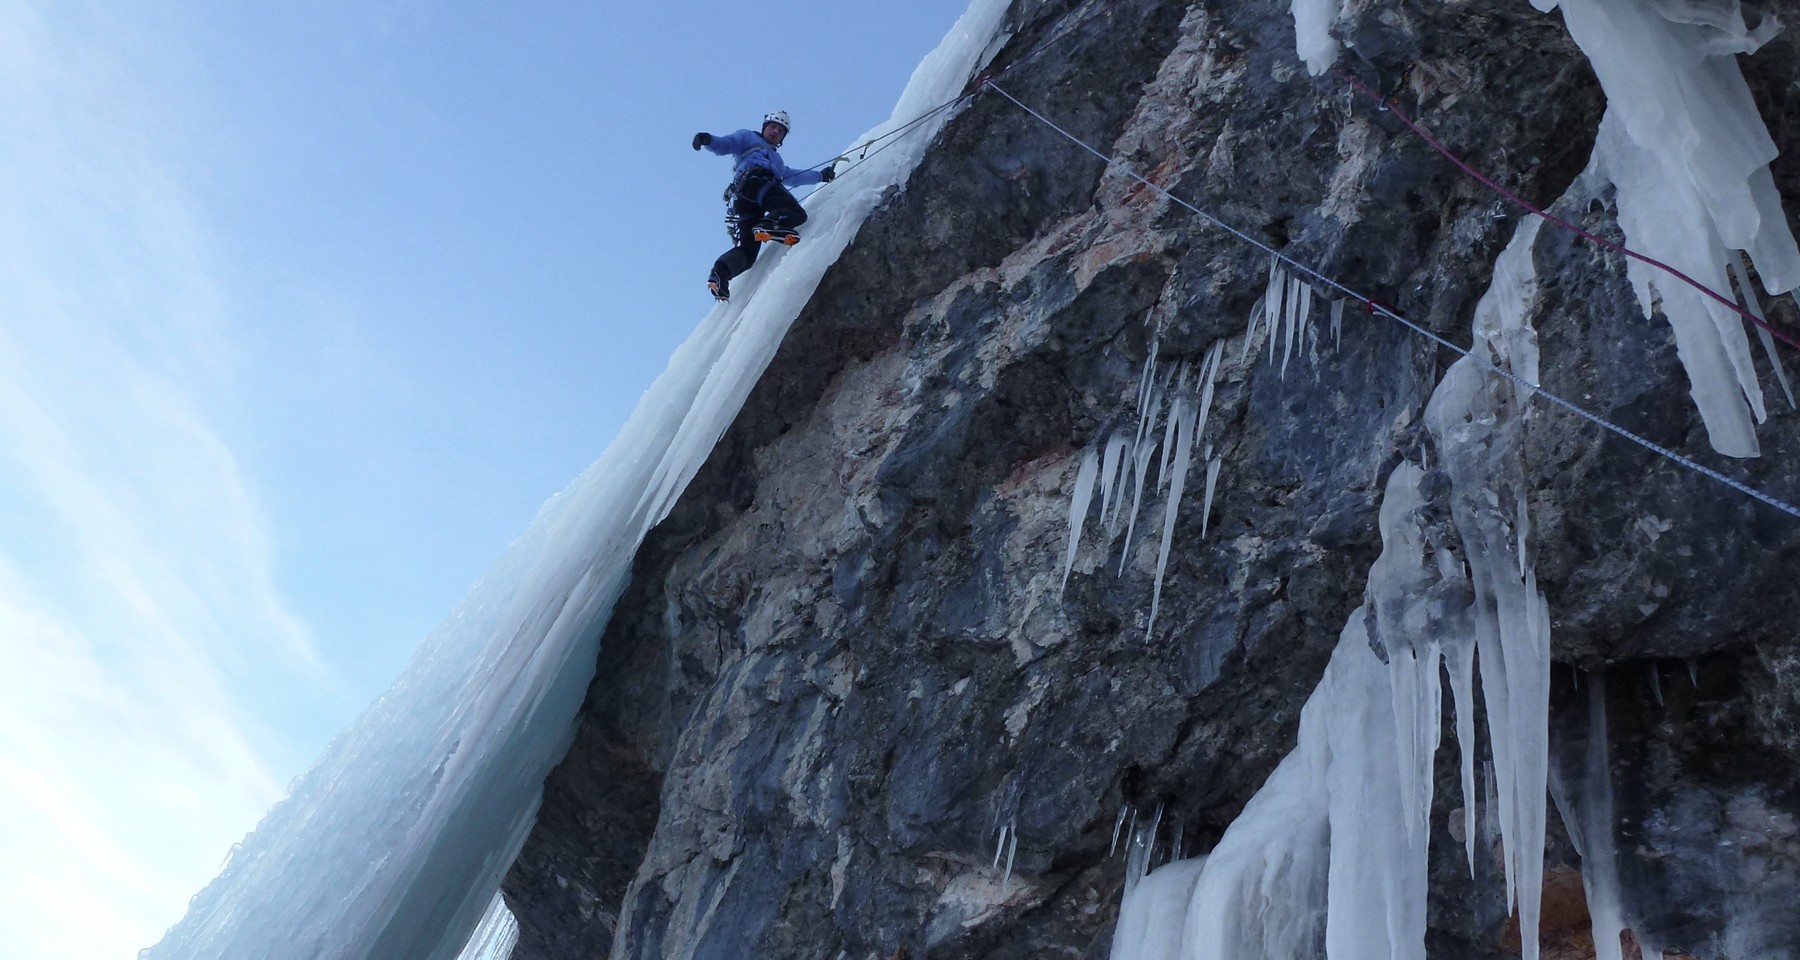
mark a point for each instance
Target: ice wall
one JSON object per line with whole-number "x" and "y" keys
{"x": 393, "y": 844}
{"x": 1151, "y": 922}
{"x": 495, "y": 935}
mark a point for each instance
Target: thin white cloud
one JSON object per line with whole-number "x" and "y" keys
{"x": 138, "y": 598}
{"x": 114, "y": 796}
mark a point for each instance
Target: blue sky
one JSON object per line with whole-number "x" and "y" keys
{"x": 304, "y": 310}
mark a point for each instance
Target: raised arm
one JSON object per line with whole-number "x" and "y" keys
{"x": 731, "y": 144}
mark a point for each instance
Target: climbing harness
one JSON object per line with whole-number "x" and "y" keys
{"x": 753, "y": 184}
{"x": 1378, "y": 307}
{"x": 1392, "y": 106}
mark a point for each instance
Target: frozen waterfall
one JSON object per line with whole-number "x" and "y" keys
{"x": 394, "y": 843}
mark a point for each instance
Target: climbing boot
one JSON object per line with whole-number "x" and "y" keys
{"x": 767, "y": 231}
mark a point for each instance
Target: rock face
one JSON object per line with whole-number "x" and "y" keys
{"x": 847, "y": 659}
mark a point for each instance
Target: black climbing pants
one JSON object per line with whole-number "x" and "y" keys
{"x": 759, "y": 197}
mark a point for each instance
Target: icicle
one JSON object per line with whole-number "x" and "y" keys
{"x": 1161, "y": 395}
{"x": 1599, "y": 858}
{"x": 1289, "y": 301}
{"x": 1299, "y": 298}
{"x": 1565, "y": 808}
{"x": 1337, "y": 324}
{"x": 1274, "y": 310}
{"x": 1655, "y": 683}
{"x": 1111, "y": 480}
{"x": 1751, "y": 303}
{"x": 1175, "y": 413}
{"x": 1148, "y": 379}
{"x": 1459, "y": 661}
{"x": 1000, "y": 847}
{"x": 1078, "y": 509}
{"x": 1694, "y": 672}
{"x": 1141, "y": 468}
{"x": 1209, "y": 375}
{"x": 1150, "y": 396}
{"x": 1137, "y": 859}
{"x": 1175, "y": 851}
{"x": 1155, "y": 828}
{"x": 1258, "y": 311}
{"x": 1012, "y": 850}
{"x": 1212, "y": 483}
{"x": 1118, "y": 824}
{"x": 1304, "y": 313}
{"x": 1289, "y": 326}
{"x": 1184, "y": 450}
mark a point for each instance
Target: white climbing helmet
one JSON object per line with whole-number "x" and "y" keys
{"x": 779, "y": 116}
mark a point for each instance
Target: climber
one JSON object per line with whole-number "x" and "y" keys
{"x": 758, "y": 207}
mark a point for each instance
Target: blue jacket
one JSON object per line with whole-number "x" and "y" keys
{"x": 752, "y": 150}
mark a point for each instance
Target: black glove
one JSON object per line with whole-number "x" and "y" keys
{"x": 701, "y": 140}
{"x": 828, "y": 174}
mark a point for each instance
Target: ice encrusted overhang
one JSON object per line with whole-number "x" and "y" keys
{"x": 851, "y": 668}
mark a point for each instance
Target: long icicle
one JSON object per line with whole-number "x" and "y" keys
{"x": 1290, "y": 322}
{"x": 1309, "y": 343}
{"x": 1751, "y": 303}
{"x": 1168, "y": 444}
{"x": 1209, "y": 376}
{"x": 1111, "y": 482}
{"x": 1140, "y": 462}
{"x": 1212, "y": 483}
{"x": 1078, "y": 509}
{"x": 1272, "y": 307}
{"x": 1257, "y": 312}
{"x": 1184, "y": 449}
